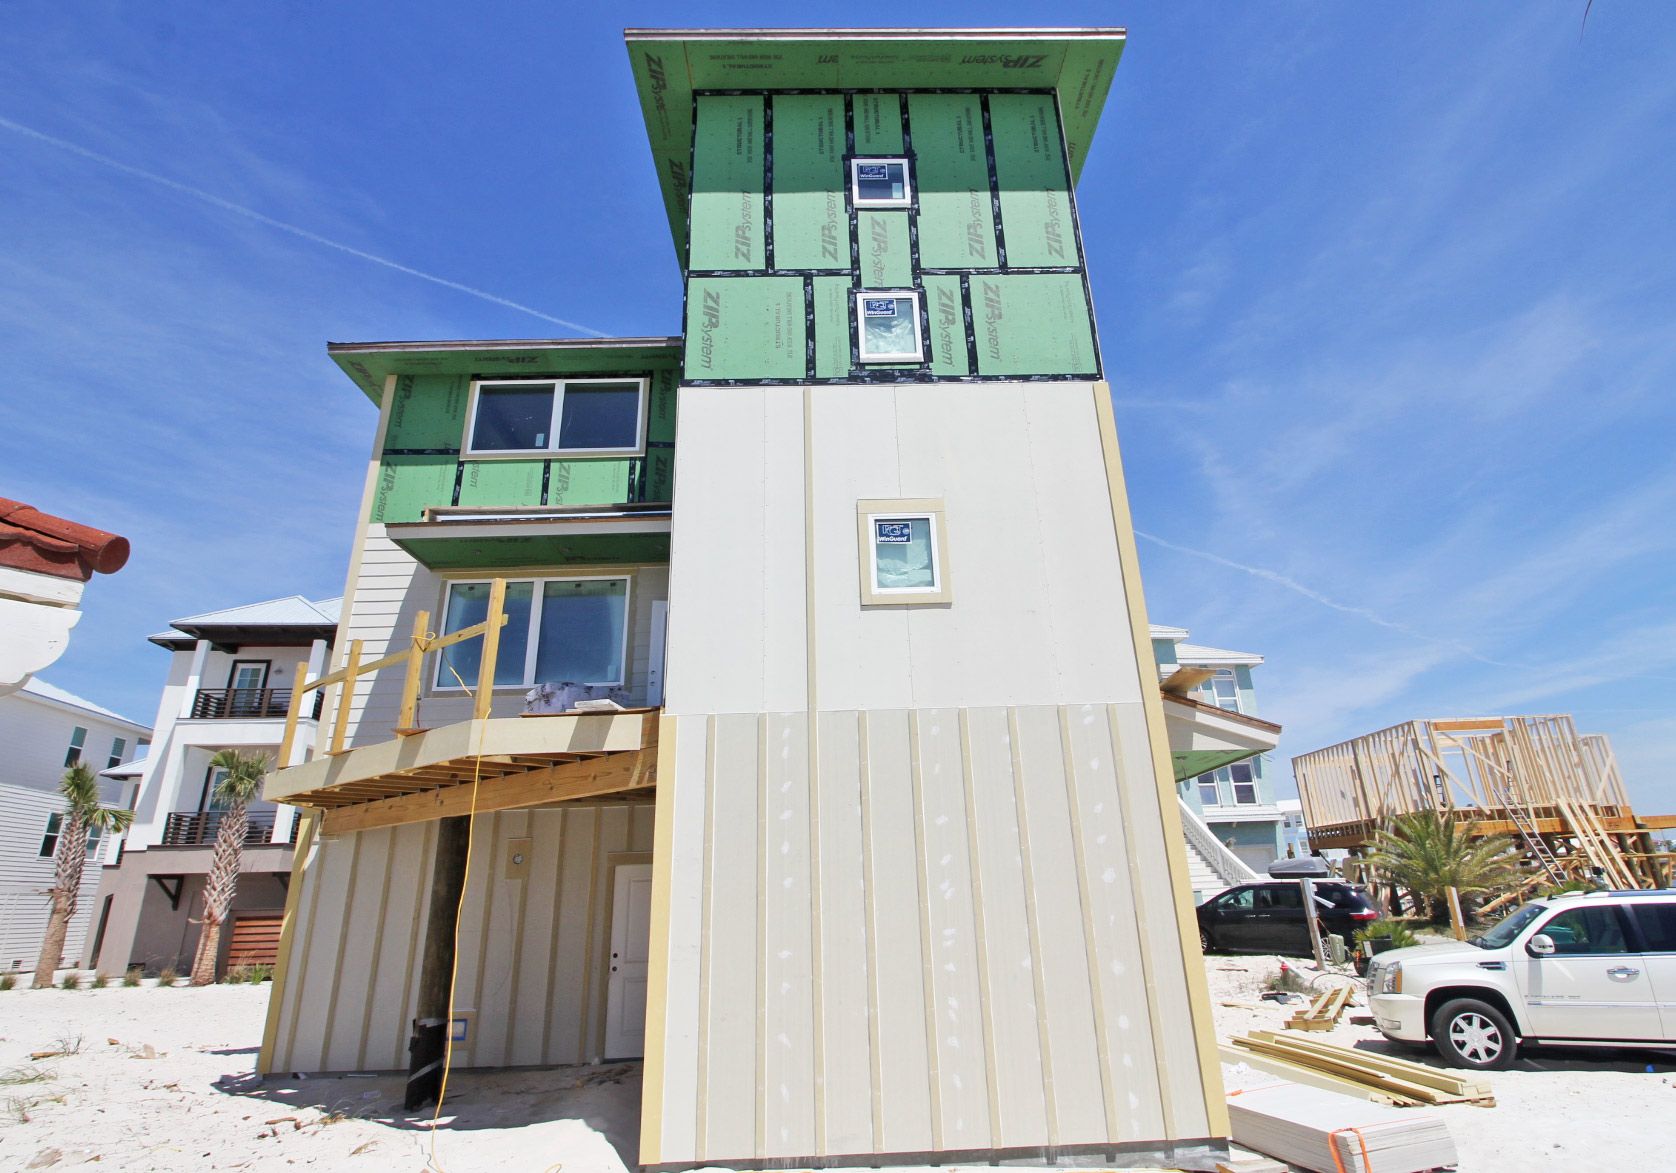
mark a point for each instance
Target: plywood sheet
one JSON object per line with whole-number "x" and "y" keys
{"x": 811, "y": 226}
{"x": 727, "y": 206}
{"x": 878, "y": 124}
{"x": 428, "y": 411}
{"x": 585, "y": 482}
{"x": 501, "y": 482}
{"x": 1036, "y": 220}
{"x": 407, "y": 485}
{"x": 956, "y": 218}
{"x": 745, "y": 328}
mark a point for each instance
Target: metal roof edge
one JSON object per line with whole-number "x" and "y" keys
{"x": 334, "y": 348}
{"x": 957, "y": 33}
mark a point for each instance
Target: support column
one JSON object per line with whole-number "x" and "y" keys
{"x": 428, "y": 1044}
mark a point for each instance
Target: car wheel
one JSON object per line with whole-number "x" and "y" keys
{"x": 1473, "y": 1034}
{"x": 1206, "y": 944}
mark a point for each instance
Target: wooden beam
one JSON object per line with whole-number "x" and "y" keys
{"x": 562, "y": 783}
{"x": 491, "y": 651}
{"x": 292, "y": 712}
{"x": 346, "y": 693}
{"x": 415, "y": 669}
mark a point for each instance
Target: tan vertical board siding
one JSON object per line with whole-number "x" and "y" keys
{"x": 847, "y": 1079}
{"x": 962, "y": 1066}
{"x": 613, "y": 837}
{"x": 1172, "y": 1003}
{"x": 1118, "y": 946}
{"x": 576, "y": 868}
{"x": 535, "y": 945}
{"x": 1010, "y": 996}
{"x": 670, "y": 1108}
{"x": 787, "y": 958}
{"x": 732, "y": 965}
{"x": 320, "y": 961}
{"x": 1078, "y": 1079}
{"x": 904, "y": 1063}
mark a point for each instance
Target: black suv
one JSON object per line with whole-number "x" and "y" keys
{"x": 1268, "y": 916}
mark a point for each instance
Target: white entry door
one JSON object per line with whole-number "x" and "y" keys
{"x": 631, "y": 931}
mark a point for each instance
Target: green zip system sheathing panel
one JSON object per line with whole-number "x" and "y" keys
{"x": 948, "y": 326}
{"x": 887, "y": 259}
{"x": 745, "y": 328}
{"x": 1035, "y": 205}
{"x": 727, "y": 205}
{"x": 956, "y": 221}
{"x": 1033, "y": 324}
{"x": 428, "y": 412}
{"x": 810, "y": 226}
{"x": 408, "y": 485}
{"x": 501, "y": 482}
{"x": 832, "y": 327}
{"x": 488, "y": 553}
{"x": 669, "y": 66}
{"x": 587, "y": 482}
{"x": 878, "y": 124}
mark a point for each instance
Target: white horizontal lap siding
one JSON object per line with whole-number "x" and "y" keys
{"x": 532, "y": 960}
{"x": 26, "y": 877}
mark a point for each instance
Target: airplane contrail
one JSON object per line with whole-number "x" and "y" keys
{"x": 281, "y": 225}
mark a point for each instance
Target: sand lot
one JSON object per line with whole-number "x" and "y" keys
{"x": 162, "y": 1080}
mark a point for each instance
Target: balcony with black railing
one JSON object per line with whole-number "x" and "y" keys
{"x": 199, "y": 828}
{"x": 222, "y": 704}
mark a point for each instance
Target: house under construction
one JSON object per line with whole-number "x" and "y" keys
{"x": 1556, "y": 792}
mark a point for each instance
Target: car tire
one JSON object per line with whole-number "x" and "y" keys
{"x": 1473, "y": 1034}
{"x": 1207, "y": 945}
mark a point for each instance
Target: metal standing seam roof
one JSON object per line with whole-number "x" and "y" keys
{"x": 1198, "y": 654}
{"x": 292, "y": 611}
{"x": 37, "y": 687}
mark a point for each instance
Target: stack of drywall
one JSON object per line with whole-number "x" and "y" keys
{"x": 1330, "y": 1133}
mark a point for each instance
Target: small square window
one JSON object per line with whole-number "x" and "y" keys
{"x": 888, "y": 327}
{"x": 904, "y": 552}
{"x": 881, "y": 183}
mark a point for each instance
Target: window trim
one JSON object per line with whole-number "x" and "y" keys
{"x": 857, "y": 297}
{"x": 864, "y": 203}
{"x": 78, "y": 745}
{"x": 908, "y": 508}
{"x": 54, "y": 830}
{"x": 530, "y": 649}
{"x": 1234, "y": 784}
{"x": 119, "y": 747}
{"x": 552, "y": 452}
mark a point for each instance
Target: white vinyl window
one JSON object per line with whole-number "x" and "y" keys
{"x": 1222, "y": 690}
{"x": 558, "y": 631}
{"x": 904, "y": 552}
{"x": 881, "y": 182}
{"x": 78, "y": 739}
{"x": 888, "y": 327}
{"x": 566, "y": 417}
{"x": 55, "y": 824}
{"x": 1239, "y": 780}
{"x": 1209, "y": 792}
{"x": 119, "y": 746}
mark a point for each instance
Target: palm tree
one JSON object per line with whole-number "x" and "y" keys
{"x": 1428, "y": 854}
{"x": 82, "y": 814}
{"x": 242, "y": 782}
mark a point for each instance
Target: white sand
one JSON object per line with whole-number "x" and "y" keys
{"x": 195, "y": 1103}
{"x": 1558, "y": 1109}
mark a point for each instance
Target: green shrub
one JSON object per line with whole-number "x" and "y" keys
{"x": 70, "y": 981}
{"x": 99, "y": 981}
{"x": 131, "y": 977}
{"x": 168, "y": 976}
{"x": 1393, "y": 930}
{"x": 8, "y": 981}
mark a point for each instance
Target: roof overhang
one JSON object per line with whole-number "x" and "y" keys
{"x": 1205, "y": 738}
{"x": 369, "y": 364}
{"x": 670, "y": 65}
{"x": 289, "y": 635}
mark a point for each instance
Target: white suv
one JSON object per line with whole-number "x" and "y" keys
{"x": 1583, "y": 969}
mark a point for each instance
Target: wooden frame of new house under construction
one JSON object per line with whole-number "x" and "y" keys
{"x": 1556, "y": 792}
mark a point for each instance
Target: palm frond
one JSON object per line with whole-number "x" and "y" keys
{"x": 245, "y": 771}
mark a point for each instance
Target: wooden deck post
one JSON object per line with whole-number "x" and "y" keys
{"x": 346, "y": 693}
{"x": 1456, "y": 921}
{"x": 491, "y": 650}
{"x": 428, "y": 1045}
{"x": 407, "y": 721}
{"x": 291, "y": 714}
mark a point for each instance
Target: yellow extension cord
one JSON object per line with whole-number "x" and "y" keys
{"x": 431, "y": 1163}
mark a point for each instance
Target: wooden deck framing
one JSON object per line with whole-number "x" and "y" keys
{"x": 1556, "y": 792}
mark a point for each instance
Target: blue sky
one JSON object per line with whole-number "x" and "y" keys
{"x": 1386, "y": 299}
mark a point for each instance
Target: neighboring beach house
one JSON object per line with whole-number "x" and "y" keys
{"x": 229, "y": 686}
{"x": 867, "y": 834}
{"x": 44, "y": 730}
{"x": 1235, "y": 801}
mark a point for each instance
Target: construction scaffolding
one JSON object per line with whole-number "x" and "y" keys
{"x": 1555, "y": 792}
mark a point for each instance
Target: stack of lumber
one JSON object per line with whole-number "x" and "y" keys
{"x": 1328, "y": 1133}
{"x": 1323, "y": 1013}
{"x": 1396, "y": 1081}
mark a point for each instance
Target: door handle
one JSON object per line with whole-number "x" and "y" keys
{"x": 1623, "y": 973}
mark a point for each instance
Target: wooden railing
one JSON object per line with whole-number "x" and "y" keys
{"x": 421, "y": 644}
{"x": 199, "y": 828}
{"x": 213, "y": 704}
